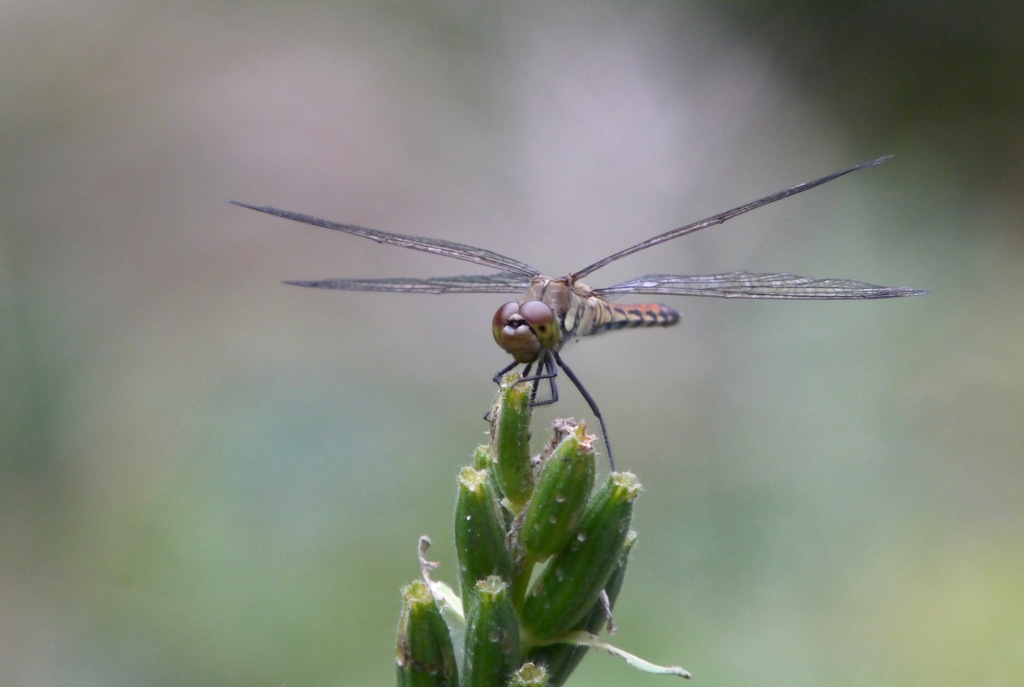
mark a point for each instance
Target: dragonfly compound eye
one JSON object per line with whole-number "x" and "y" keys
{"x": 542, "y": 321}
{"x": 524, "y": 330}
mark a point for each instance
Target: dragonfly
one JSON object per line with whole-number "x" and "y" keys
{"x": 550, "y": 313}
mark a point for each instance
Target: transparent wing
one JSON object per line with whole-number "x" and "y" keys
{"x": 750, "y": 285}
{"x": 450, "y": 249}
{"x": 723, "y": 216}
{"x": 504, "y": 282}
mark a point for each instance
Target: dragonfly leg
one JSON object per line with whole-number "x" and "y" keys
{"x": 533, "y": 387}
{"x": 503, "y": 371}
{"x": 545, "y": 370}
{"x": 533, "y": 384}
{"x": 497, "y": 376}
{"x": 590, "y": 402}
{"x": 552, "y": 375}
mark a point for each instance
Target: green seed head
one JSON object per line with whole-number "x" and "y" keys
{"x": 566, "y": 590}
{"x": 424, "y": 654}
{"x": 530, "y": 675}
{"x": 480, "y": 536}
{"x": 552, "y": 516}
{"x": 492, "y": 636}
{"x": 510, "y": 440}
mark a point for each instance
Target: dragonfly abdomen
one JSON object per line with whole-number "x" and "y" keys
{"x": 607, "y": 316}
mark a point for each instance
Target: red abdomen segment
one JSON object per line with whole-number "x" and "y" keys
{"x": 610, "y": 316}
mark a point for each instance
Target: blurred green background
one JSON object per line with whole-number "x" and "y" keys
{"x": 209, "y": 478}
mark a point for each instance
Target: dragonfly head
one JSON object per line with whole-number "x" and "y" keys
{"x": 525, "y": 329}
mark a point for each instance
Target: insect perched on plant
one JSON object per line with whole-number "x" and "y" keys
{"x": 552, "y": 312}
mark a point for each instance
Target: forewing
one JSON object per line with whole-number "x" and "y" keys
{"x": 450, "y": 249}
{"x": 751, "y": 285}
{"x": 724, "y": 216}
{"x": 504, "y": 282}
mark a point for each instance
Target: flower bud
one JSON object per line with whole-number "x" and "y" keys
{"x": 569, "y": 586}
{"x": 425, "y": 655}
{"x": 492, "y": 636}
{"x": 482, "y": 457}
{"x": 566, "y": 479}
{"x": 510, "y": 439}
{"x": 480, "y": 539}
{"x": 530, "y": 675}
{"x": 562, "y": 659}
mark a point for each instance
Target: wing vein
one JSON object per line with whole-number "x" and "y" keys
{"x": 450, "y": 249}
{"x": 753, "y": 285}
{"x": 503, "y": 282}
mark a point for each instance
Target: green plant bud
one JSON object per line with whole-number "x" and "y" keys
{"x": 492, "y": 636}
{"x": 562, "y": 659}
{"x": 510, "y": 440}
{"x": 425, "y": 655}
{"x": 480, "y": 537}
{"x": 569, "y": 586}
{"x": 566, "y": 479}
{"x": 530, "y": 675}
{"x": 482, "y": 457}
